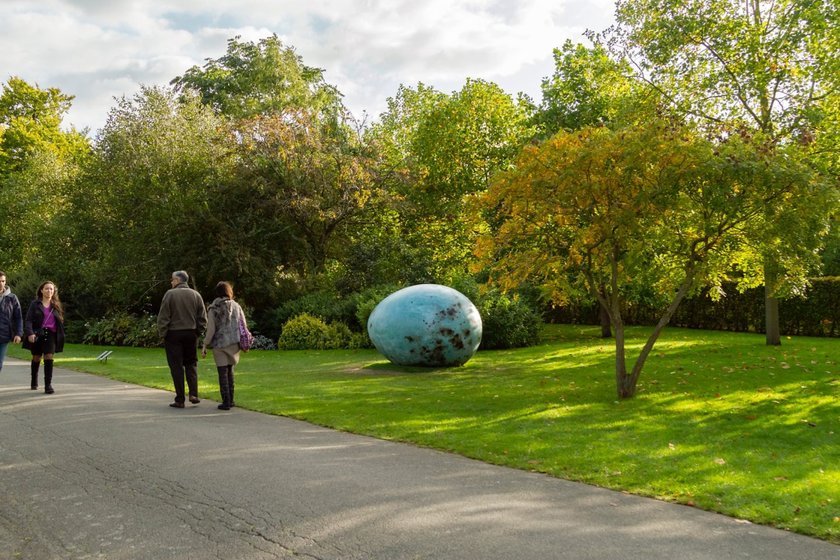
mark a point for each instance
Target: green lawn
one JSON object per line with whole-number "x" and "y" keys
{"x": 721, "y": 421}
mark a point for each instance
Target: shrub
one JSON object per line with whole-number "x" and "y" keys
{"x": 263, "y": 343}
{"x": 123, "y": 329}
{"x": 367, "y": 301}
{"x": 353, "y": 310}
{"x": 815, "y": 312}
{"x": 507, "y": 322}
{"x": 338, "y": 335}
{"x": 328, "y": 305}
{"x": 74, "y": 331}
{"x": 359, "y": 340}
{"x": 307, "y": 332}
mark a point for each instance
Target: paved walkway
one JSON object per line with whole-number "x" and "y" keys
{"x": 106, "y": 470}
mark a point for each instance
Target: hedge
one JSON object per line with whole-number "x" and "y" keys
{"x": 816, "y": 312}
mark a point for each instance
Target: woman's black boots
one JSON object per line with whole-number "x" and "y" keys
{"x": 224, "y": 388}
{"x": 48, "y": 371}
{"x": 34, "y": 367}
{"x": 230, "y": 385}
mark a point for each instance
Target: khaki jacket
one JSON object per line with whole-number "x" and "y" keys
{"x": 182, "y": 309}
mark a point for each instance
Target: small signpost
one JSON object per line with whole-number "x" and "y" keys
{"x": 103, "y": 357}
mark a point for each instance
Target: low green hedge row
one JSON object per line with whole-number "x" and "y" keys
{"x": 816, "y": 312}
{"x": 509, "y": 322}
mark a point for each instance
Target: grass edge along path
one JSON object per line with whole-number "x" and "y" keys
{"x": 721, "y": 421}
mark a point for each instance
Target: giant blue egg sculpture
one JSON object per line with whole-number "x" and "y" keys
{"x": 426, "y": 325}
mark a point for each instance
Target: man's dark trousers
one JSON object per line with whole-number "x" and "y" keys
{"x": 182, "y": 357}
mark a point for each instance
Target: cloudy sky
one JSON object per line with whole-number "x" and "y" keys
{"x": 101, "y": 49}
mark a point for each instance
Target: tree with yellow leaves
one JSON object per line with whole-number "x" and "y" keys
{"x": 651, "y": 207}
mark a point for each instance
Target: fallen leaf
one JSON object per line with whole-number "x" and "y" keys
{"x": 720, "y": 461}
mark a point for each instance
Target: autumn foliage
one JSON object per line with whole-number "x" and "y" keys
{"x": 650, "y": 207}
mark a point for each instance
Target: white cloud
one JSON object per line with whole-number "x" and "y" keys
{"x": 101, "y": 49}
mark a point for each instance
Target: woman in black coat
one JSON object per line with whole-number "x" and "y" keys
{"x": 43, "y": 330}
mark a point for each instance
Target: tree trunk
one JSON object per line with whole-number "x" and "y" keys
{"x": 606, "y": 328}
{"x": 771, "y": 305}
{"x": 627, "y": 384}
{"x": 624, "y": 384}
{"x": 604, "y": 316}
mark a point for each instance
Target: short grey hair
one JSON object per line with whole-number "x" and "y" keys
{"x": 181, "y": 275}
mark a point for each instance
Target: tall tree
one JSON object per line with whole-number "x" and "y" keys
{"x": 650, "y": 206}
{"x": 587, "y": 88}
{"x": 37, "y": 162}
{"x": 766, "y": 66}
{"x": 142, "y": 209}
{"x": 441, "y": 149}
{"x": 252, "y": 79}
{"x": 30, "y": 120}
{"x": 316, "y": 186}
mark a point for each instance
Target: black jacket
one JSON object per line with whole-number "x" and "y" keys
{"x": 35, "y": 319}
{"x": 11, "y": 317}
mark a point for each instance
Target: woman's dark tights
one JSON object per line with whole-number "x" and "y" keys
{"x": 226, "y": 386}
{"x": 35, "y": 365}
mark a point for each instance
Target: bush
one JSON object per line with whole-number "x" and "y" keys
{"x": 263, "y": 343}
{"x": 815, "y": 312}
{"x": 307, "y": 332}
{"x": 123, "y": 329}
{"x": 367, "y": 301}
{"x": 328, "y": 305}
{"x": 507, "y": 322}
{"x": 74, "y": 331}
{"x": 352, "y": 310}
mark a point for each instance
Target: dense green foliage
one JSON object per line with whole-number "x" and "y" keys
{"x": 122, "y": 329}
{"x": 814, "y": 312}
{"x": 767, "y": 69}
{"x": 588, "y": 88}
{"x": 38, "y": 164}
{"x": 150, "y": 191}
{"x": 507, "y": 322}
{"x": 306, "y": 332}
{"x": 253, "y": 79}
{"x": 616, "y": 212}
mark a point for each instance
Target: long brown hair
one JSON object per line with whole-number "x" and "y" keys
{"x": 224, "y": 289}
{"x": 58, "y": 309}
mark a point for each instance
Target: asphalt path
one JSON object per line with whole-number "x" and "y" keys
{"x": 106, "y": 470}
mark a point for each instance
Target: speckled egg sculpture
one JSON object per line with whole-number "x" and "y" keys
{"x": 426, "y": 325}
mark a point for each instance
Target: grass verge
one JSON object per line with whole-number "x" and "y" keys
{"x": 721, "y": 421}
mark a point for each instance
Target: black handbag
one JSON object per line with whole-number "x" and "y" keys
{"x": 42, "y": 334}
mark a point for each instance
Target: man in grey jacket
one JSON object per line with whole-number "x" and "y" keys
{"x": 180, "y": 322}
